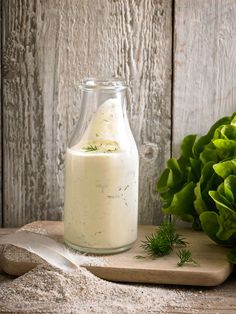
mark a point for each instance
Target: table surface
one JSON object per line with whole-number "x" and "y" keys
{"x": 220, "y": 299}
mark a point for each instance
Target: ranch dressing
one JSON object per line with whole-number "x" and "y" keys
{"x": 101, "y": 184}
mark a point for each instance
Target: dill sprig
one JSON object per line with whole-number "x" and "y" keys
{"x": 167, "y": 231}
{"x": 185, "y": 256}
{"x": 163, "y": 241}
{"x": 156, "y": 245}
{"x": 90, "y": 148}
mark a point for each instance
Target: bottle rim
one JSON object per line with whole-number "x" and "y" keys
{"x": 107, "y": 84}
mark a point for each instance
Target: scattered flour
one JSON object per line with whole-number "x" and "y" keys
{"x": 46, "y": 289}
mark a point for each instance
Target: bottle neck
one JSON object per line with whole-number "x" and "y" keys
{"x": 96, "y": 91}
{"x": 104, "y": 110}
{"x": 95, "y": 98}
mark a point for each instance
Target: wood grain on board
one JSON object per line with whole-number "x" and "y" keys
{"x": 48, "y": 47}
{"x": 213, "y": 268}
{"x": 204, "y": 65}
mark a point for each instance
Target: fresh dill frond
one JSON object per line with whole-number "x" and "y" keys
{"x": 156, "y": 245}
{"x": 179, "y": 240}
{"x": 185, "y": 256}
{"x": 167, "y": 230}
{"x": 90, "y": 148}
{"x": 162, "y": 241}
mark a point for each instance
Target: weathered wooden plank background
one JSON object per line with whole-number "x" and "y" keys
{"x": 204, "y": 65}
{"x": 49, "y": 46}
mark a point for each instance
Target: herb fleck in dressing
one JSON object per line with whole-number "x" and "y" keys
{"x": 101, "y": 184}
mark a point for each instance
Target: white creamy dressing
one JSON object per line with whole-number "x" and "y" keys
{"x": 101, "y": 183}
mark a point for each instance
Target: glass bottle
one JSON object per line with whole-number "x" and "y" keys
{"x": 101, "y": 172}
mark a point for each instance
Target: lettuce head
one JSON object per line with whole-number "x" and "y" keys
{"x": 200, "y": 185}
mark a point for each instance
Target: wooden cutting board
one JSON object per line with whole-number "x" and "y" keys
{"x": 213, "y": 266}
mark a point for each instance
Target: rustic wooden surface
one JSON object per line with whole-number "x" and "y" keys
{"x": 48, "y": 46}
{"x": 213, "y": 267}
{"x": 204, "y": 65}
{"x": 219, "y": 299}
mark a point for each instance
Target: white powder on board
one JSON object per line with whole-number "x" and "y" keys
{"x": 46, "y": 289}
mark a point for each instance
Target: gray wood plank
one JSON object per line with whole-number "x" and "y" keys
{"x": 49, "y": 46}
{"x": 204, "y": 65}
{"x": 30, "y": 58}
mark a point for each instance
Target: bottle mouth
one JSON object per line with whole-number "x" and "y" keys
{"x": 108, "y": 84}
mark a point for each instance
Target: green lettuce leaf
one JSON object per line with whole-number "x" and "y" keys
{"x": 225, "y": 168}
{"x": 182, "y": 203}
{"x": 227, "y": 223}
{"x": 210, "y": 225}
{"x": 200, "y": 185}
{"x": 204, "y": 140}
{"x": 232, "y": 256}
